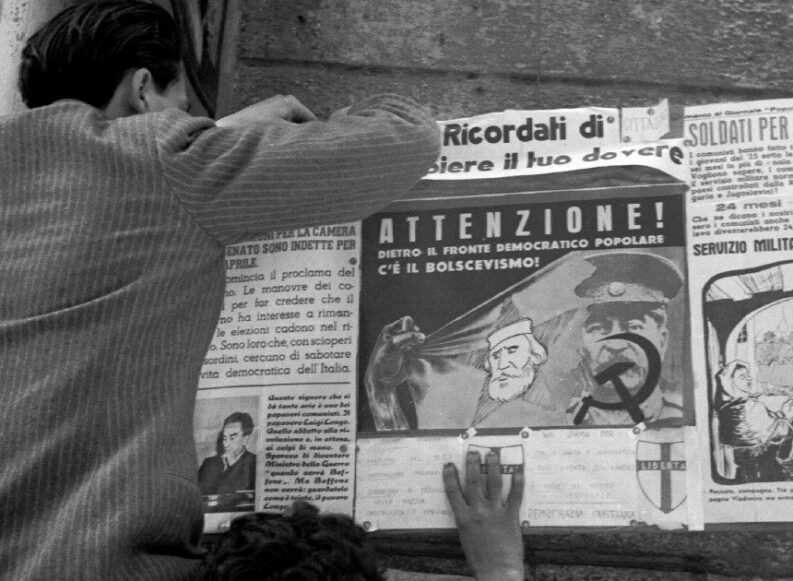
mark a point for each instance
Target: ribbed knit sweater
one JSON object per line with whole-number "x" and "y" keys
{"x": 112, "y": 237}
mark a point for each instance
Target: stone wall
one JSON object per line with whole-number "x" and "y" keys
{"x": 467, "y": 57}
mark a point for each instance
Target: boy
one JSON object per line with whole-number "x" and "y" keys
{"x": 116, "y": 208}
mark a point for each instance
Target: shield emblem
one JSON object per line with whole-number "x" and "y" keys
{"x": 661, "y": 471}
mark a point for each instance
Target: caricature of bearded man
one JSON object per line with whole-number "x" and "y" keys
{"x": 512, "y": 361}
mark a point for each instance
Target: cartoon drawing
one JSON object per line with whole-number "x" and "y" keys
{"x": 499, "y": 392}
{"x": 512, "y": 361}
{"x": 530, "y": 355}
{"x": 749, "y": 317}
{"x": 752, "y": 423}
{"x": 629, "y": 293}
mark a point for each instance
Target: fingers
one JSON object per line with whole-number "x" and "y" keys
{"x": 515, "y": 496}
{"x": 279, "y": 107}
{"x": 472, "y": 492}
{"x": 451, "y": 485}
{"x": 339, "y": 113}
{"x": 297, "y": 112}
{"x": 473, "y": 478}
{"x": 403, "y": 334}
{"x": 407, "y": 340}
{"x": 401, "y": 325}
{"x": 493, "y": 482}
{"x": 408, "y": 324}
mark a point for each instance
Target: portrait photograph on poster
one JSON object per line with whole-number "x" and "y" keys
{"x": 226, "y": 435}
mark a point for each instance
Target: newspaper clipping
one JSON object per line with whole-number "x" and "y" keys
{"x": 277, "y": 389}
{"x": 741, "y": 287}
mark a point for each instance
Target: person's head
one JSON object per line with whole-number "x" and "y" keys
{"x": 512, "y": 361}
{"x": 628, "y": 293}
{"x": 237, "y": 429}
{"x": 741, "y": 380}
{"x": 121, "y": 56}
{"x": 300, "y": 544}
{"x": 606, "y": 319}
{"x": 735, "y": 380}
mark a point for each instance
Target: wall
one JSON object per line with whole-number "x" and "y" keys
{"x": 463, "y": 57}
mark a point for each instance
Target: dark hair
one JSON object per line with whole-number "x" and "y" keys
{"x": 737, "y": 368}
{"x": 84, "y": 52}
{"x": 298, "y": 545}
{"x": 627, "y": 310}
{"x": 240, "y": 418}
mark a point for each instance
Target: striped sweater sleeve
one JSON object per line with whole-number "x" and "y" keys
{"x": 239, "y": 184}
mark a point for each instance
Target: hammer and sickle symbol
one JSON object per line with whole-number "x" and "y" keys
{"x": 612, "y": 375}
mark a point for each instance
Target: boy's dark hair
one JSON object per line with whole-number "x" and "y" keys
{"x": 245, "y": 421}
{"x": 298, "y": 545}
{"x": 84, "y": 52}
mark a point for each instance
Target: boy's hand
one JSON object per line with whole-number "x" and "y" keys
{"x": 280, "y": 107}
{"x": 488, "y": 527}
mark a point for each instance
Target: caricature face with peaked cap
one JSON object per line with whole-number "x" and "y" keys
{"x": 629, "y": 293}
